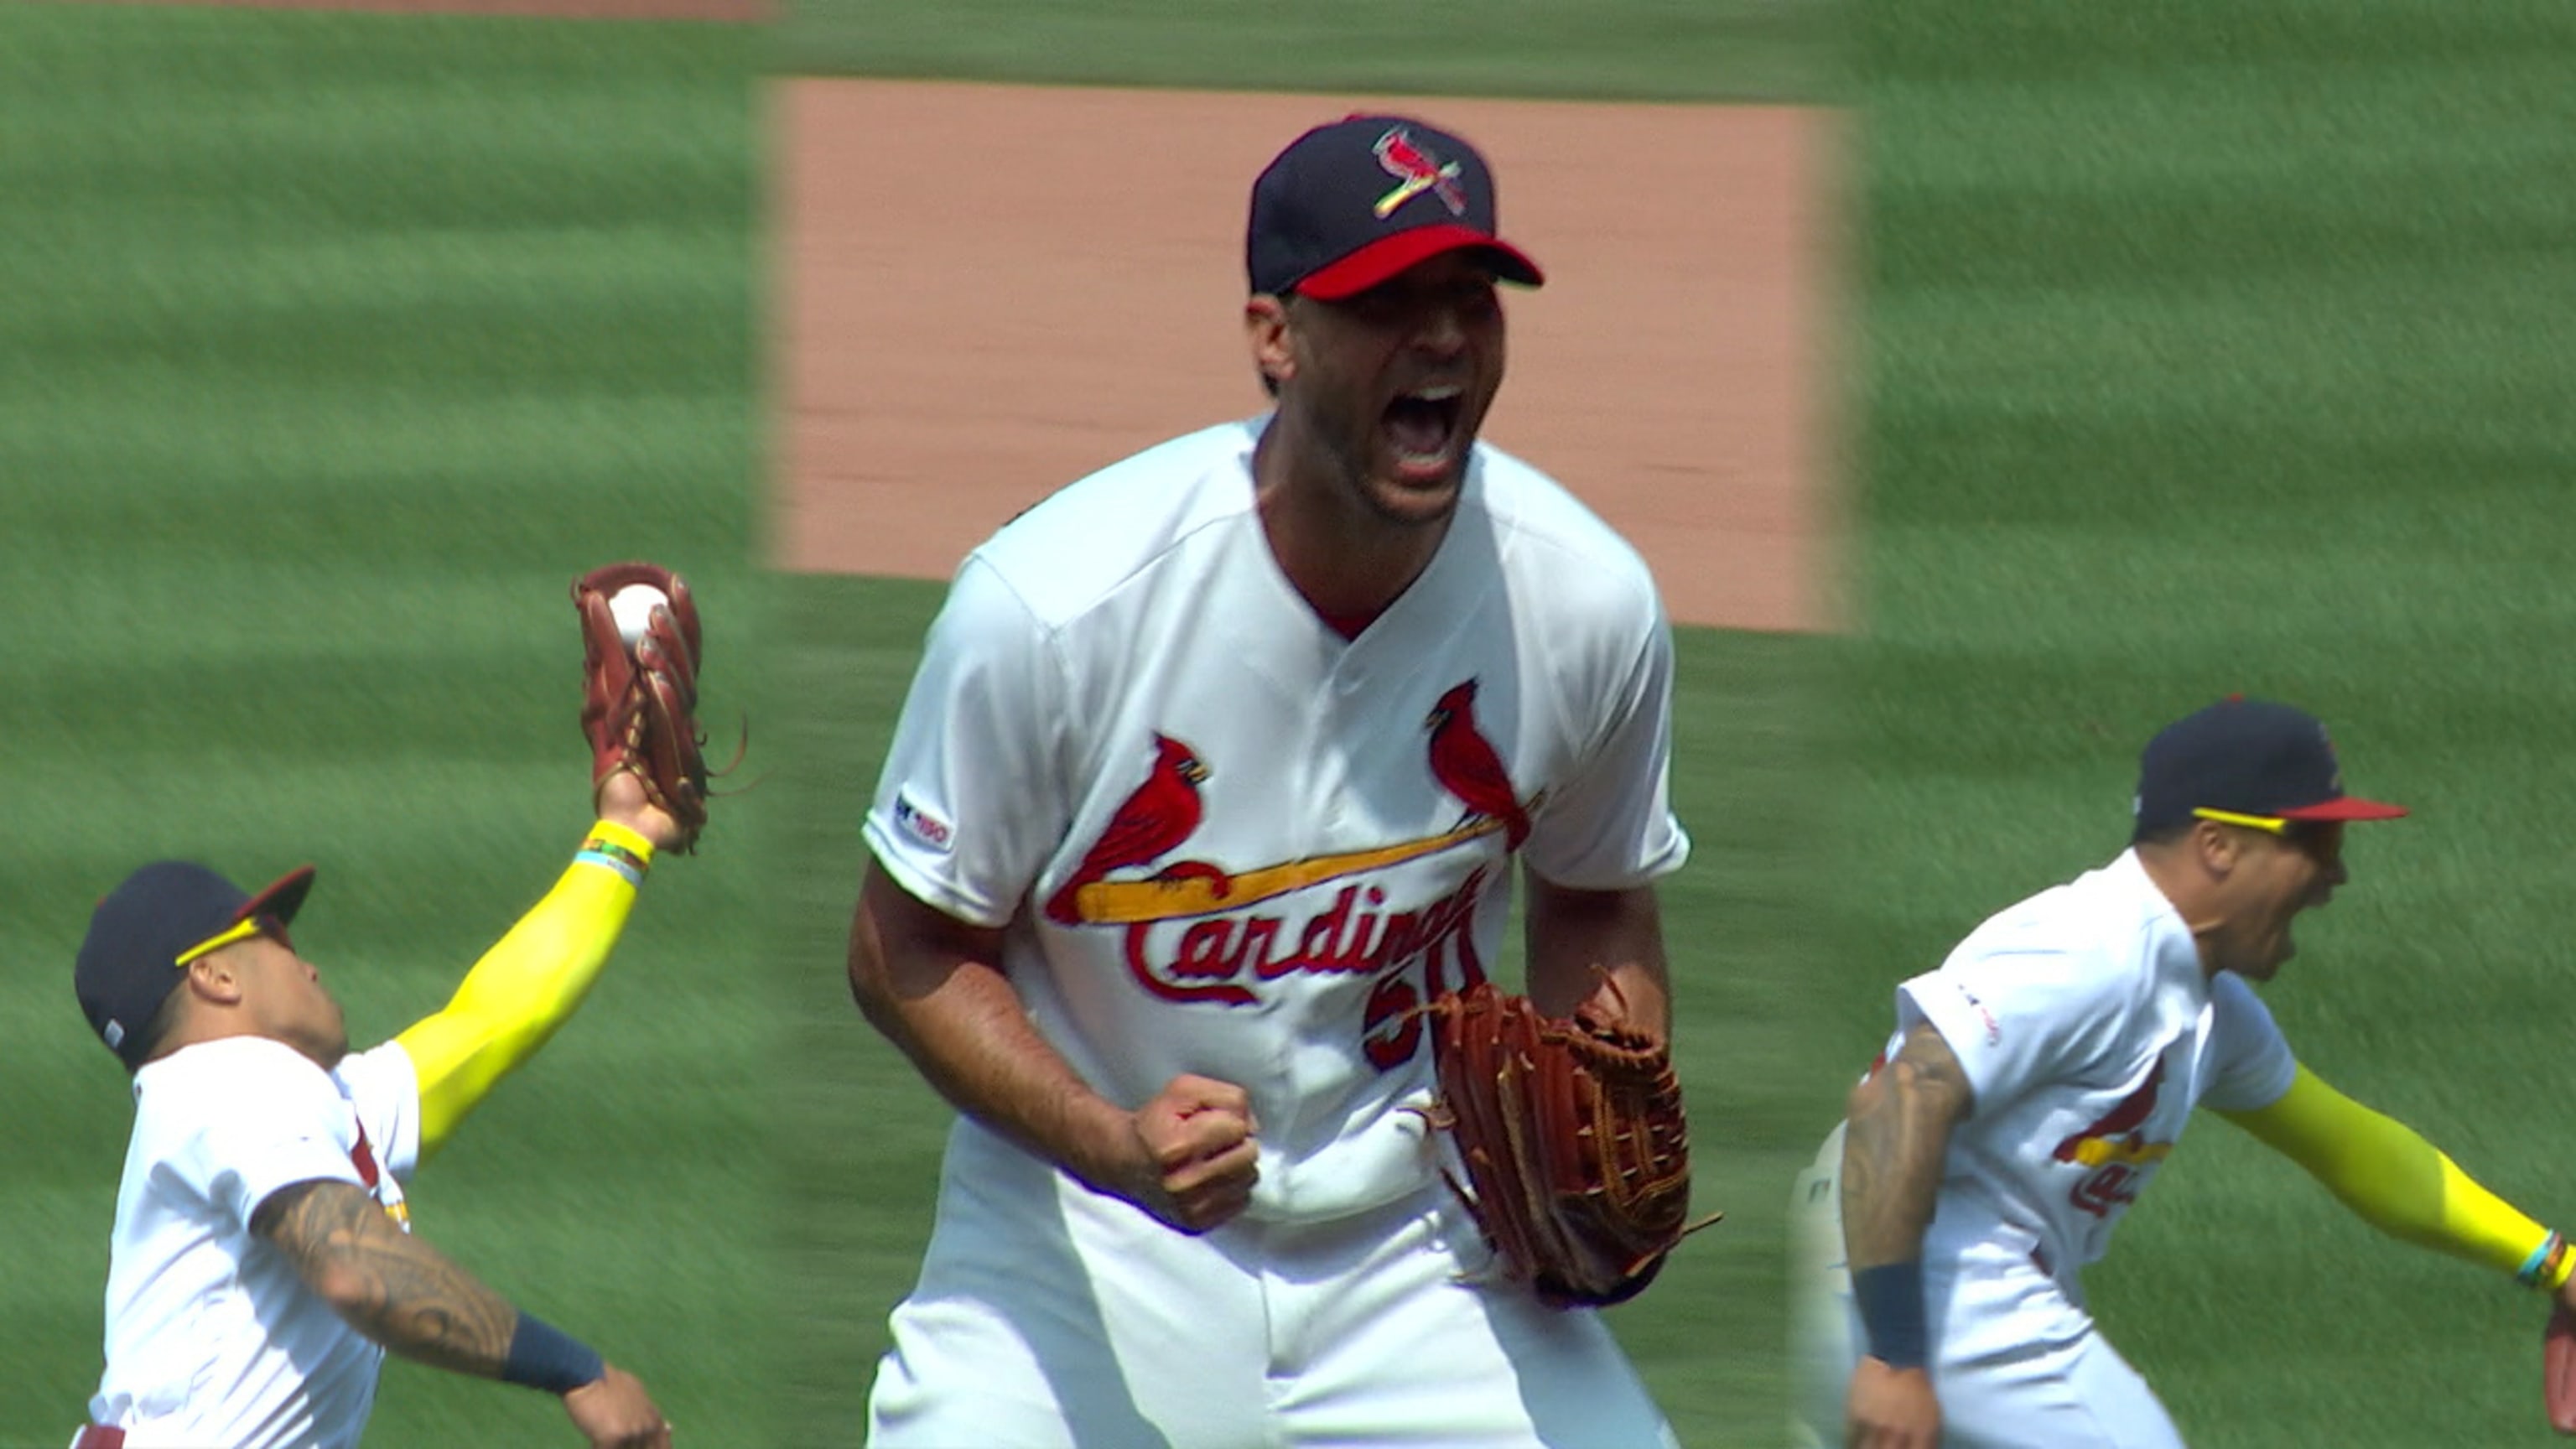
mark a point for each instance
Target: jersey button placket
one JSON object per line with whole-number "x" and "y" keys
{"x": 1332, "y": 728}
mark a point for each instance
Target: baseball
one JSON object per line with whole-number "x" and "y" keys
{"x": 632, "y": 607}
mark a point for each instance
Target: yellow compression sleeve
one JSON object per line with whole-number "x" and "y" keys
{"x": 527, "y": 985}
{"x": 2398, "y": 1182}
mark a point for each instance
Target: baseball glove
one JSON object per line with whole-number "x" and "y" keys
{"x": 2558, "y": 1369}
{"x": 640, "y": 695}
{"x": 1571, "y": 1132}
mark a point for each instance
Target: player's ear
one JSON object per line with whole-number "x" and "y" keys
{"x": 2219, "y": 847}
{"x": 216, "y": 977}
{"x": 1265, "y": 329}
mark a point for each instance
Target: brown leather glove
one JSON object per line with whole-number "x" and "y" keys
{"x": 640, "y": 700}
{"x": 1572, "y": 1135}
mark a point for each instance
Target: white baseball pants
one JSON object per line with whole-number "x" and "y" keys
{"x": 2018, "y": 1365}
{"x": 1048, "y": 1317}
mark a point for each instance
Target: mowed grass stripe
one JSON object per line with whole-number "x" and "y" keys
{"x": 1686, "y": 50}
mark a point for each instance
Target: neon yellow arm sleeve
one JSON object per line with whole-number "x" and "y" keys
{"x": 2398, "y": 1182}
{"x": 527, "y": 985}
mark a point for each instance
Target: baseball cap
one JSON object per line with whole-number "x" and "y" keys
{"x": 2251, "y": 758}
{"x": 1350, "y": 204}
{"x": 148, "y": 927}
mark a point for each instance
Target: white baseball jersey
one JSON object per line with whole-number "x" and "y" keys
{"x": 1222, "y": 839}
{"x": 1227, "y": 841}
{"x": 212, "y": 1338}
{"x": 2088, "y": 1031}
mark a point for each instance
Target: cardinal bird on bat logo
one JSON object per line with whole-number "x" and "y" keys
{"x": 1163, "y": 812}
{"x": 1415, "y": 171}
{"x": 1465, "y": 764}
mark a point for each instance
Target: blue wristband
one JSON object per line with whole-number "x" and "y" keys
{"x": 543, "y": 1356}
{"x": 1890, "y": 1297}
{"x": 2535, "y": 1269}
{"x": 600, "y": 850}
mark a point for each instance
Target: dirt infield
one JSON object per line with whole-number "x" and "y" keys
{"x": 982, "y": 292}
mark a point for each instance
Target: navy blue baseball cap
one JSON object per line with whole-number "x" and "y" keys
{"x": 1350, "y": 204}
{"x": 2261, "y": 762}
{"x": 146, "y": 931}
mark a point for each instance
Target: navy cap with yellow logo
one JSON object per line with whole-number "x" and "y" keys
{"x": 1349, "y": 205}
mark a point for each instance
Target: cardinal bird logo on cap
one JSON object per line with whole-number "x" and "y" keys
{"x": 1156, "y": 818}
{"x": 1465, "y": 764}
{"x": 1416, "y": 171}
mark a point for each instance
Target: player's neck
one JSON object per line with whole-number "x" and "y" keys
{"x": 2188, "y": 892}
{"x": 1346, "y": 561}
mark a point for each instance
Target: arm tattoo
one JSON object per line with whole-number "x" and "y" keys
{"x": 1894, "y": 1146}
{"x": 389, "y": 1285}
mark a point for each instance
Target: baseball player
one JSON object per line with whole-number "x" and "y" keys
{"x": 263, "y": 1261}
{"x": 1215, "y": 770}
{"x": 2037, "y": 1080}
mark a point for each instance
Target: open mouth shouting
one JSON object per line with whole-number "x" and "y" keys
{"x": 1421, "y": 427}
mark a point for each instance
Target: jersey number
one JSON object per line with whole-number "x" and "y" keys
{"x": 1391, "y": 1024}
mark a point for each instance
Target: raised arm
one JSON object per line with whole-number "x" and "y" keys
{"x": 417, "y": 1303}
{"x": 2403, "y": 1185}
{"x": 1571, "y": 932}
{"x": 532, "y": 980}
{"x": 1896, "y": 1137}
{"x": 934, "y": 986}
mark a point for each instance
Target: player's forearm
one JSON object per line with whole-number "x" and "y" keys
{"x": 2394, "y": 1179}
{"x": 1896, "y": 1137}
{"x": 528, "y": 984}
{"x": 409, "y": 1297}
{"x": 1575, "y": 937}
{"x": 973, "y": 1042}
{"x": 955, "y": 1015}
{"x": 388, "y": 1285}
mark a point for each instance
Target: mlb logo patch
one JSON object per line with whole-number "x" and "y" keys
{"x": 926, "y": 830}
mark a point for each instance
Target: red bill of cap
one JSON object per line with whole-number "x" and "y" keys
{"x": 281, "y": 898}
{"x": 2347, "y": 807}
{"x": 1380, "y": 260}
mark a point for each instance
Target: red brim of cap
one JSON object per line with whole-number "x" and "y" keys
{"x": 2350, "y": 807}
{"x": 1380, "y": 260}
{"x": 281, "y": 898}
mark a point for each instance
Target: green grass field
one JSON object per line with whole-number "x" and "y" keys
{"x": 2208, "y": 347}
{"x": 2218, "y": 347}
{"x": 1671, "y": 50}
{"x": 335, "y": 348}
